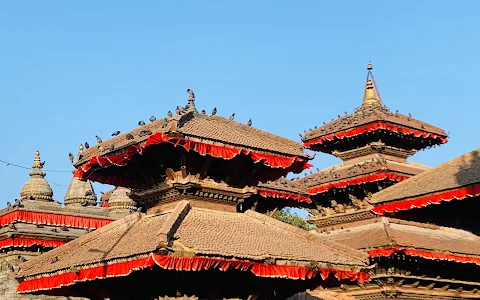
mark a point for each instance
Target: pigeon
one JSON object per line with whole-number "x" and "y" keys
{"x": 249, "y": 123}
{"x": 87, "y": 145}
{"x": 9, "y": 204}
{"x": 88, "y": 193}
{"x": 70, "y": 156}
{"x": 301, "y": 136}
{"x": 141, "y": 123}
{"x": 192, "y": 95}
{"x": 18, "y": 203}
{"x": 64, "y": 228}
{"x": 99, "y": 140}
{"x": 153, "y": 119}
{"x": 84, "y": 203}
{"x": 178, "y": 110}
{"x": 232, "y": 116}
{"x": 12, "y": 226}
{"x": 139, "y": 209}
{"x": 214, "y": 111}
{"x": 115, "y": 133}
{"x": 129, "y": 136}
{"x": 144, "y": 132}
{"x": 169, "y": 114}
{"x": 203, "y": 112}
{"x": 22, "y": 259}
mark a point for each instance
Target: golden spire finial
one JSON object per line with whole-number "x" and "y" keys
{"x": 36, "y": 187}
{"x": 371, "y": 96}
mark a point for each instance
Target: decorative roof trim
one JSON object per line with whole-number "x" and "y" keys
{"x": 292, "y": 163}
{"x": 375, "y": 126}
{"x": 271, "y": 193}
{"x": 357, "y": 181}
{"x": 21, "y": 242}
{"x": 53, "y": 219}
{"x": 385, "y": 252}
{"x": 118, "y": 269}
{"x": 173, "y": 221}
{"x": 426, "y": 200}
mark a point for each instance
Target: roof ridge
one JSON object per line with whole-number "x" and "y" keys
{"x": 420, "y": 176}
{"x": 307, "y": 234}
{"x": 388, "y": 231}
{"x": 173, "y": 221}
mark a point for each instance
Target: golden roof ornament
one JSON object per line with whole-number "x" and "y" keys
{"x": 36, "y": 187}
{"x": 371, "y": 96}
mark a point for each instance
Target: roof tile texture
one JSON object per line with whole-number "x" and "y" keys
{"x": 385, "y": 232}
{"x": 459, "y": 172}
{"x": 248, "y": 236}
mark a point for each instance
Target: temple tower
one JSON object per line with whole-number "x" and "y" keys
{"x": 373, "y": 144}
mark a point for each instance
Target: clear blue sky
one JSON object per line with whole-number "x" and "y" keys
{"x": 70, "y": 71}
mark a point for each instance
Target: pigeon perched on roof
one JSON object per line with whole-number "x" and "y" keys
{"x": 87, "y": 145}
{"x": 249, "y": 123}
{"x": 115, "y": 133}
{"x": 232, "y": 116}
{"x": 71, "y": 157}
{"x": 129, "y": 136}
{"x": 170, "y": 114}
{"x": 153, "y": 119}
{"x": 99, "y": 140}
{"x": 214, "y": 111}
{"x": 203, "y": 112}
{"x": 141, "y": 123}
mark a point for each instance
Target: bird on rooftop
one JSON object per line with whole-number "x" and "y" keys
{"x": 18, "y": 203}
{"x": 152, "y": 119}
{"x": 249, "y": 123}
{"x": 114, "y": 134}
{"x": 214, "y": 111}
{"x": 190, "y": 92}
{"x": 9, "y": 204}
{"x": 87, "y": 145}
{"x": 12, "y": 226}
{"x": 409, "y": 114}
{"x": 22, "y": 259}
{"x": 301, "y": 136}
{"x": 178, "y": 110}
{"x": 169, "y": 114}
{"x": 99, "y": 140}
{"x": 129, "y": 136}
{"x": 203, "y": 112}
{"x": 71, "y": 157}
{"x": 232, "y": 116}
{"x": 88, "y": 193}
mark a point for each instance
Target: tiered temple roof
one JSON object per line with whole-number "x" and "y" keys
{"x": 197, "y": 177}
{"x": 374, "y": 145}
{"x": 192, "y": 239}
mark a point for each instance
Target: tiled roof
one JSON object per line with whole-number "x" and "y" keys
{"x": 459, "y": 172}
{"x": 210, "y": 129}
{"x": 346, "y": 171}
{"x": 285, "y": 185}
{"x": 250, "y": 236}
{"x": 386, "y": 232}
{"x": 367, "y": 115}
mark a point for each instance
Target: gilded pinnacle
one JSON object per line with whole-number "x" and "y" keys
{"x": 36, "y": 187}
{"x": 371, "y": 96}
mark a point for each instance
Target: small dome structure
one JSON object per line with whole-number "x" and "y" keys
{"x": 37, "y": 188}
{"x": 120, "y": 200}
{"x": 80, "y": 192}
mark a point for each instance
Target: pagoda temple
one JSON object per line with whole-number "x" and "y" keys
{"x": 373, "y": 144}
{"x": 378, "y": 202}
{"x": 190, "y": 184}
{"x": 36, "y": 223}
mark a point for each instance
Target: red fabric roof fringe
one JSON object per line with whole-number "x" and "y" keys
{"x": 425, "y": 254}
{"x": 357, "y": 181}
{"x": 374, "y": 127}
{"x": 29, "y": 242}
{"x": 52, "y": 219}
{"x": 297, "y": 164}
{"x": 282, "y": 195}
{"x": 182, "y": 264}
{"x": 457, "y": 194}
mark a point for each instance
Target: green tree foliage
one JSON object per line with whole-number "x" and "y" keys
{"x": 292, "y": 218}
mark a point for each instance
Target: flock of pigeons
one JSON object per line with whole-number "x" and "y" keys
{"x": 129, "y": 136}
